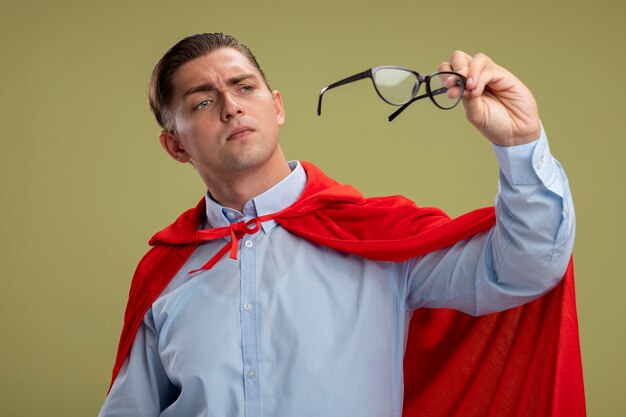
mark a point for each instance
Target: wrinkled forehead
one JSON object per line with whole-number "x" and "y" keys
{"x": 215, "y": 68}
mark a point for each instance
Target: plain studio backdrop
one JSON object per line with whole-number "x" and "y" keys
{"x": 85, "y": 182}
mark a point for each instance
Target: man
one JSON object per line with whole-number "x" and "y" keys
{"x": 290, "y": 326}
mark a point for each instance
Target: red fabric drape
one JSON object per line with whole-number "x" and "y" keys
{"x": 521, "y": 362}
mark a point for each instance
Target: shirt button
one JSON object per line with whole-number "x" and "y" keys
{"x": 248, "y": 306}
{"x": 230, "y": 215}
{"x": 251, "y": 373}
{"x": 249, "y": 243}
{"x": 539, "y": 163}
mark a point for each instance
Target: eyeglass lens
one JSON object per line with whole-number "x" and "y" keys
{"x": 446, "y": 89}
{"x": 396, "y": 86}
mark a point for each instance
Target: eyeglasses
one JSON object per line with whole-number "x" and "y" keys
{"x": 399, "y": 86}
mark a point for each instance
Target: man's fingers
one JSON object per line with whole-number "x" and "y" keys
{"x": 479, "y": 70}
{"x": 460, "y": 62}
{"x": 495, "y": 101}
{"x": 479, "y": 63}
{"x": 479, "y": 82}
{"x": 444, "y": 66}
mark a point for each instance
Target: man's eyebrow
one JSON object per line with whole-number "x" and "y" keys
{"x": 210, "y": 87}
{"x": 239, "y": 78}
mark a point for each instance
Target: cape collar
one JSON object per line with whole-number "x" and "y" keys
{"x": 320, "y": 191}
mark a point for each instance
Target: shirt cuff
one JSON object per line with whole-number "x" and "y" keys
{"x": 530, "y": 163}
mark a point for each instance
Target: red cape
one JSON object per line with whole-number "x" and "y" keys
{"x": 521, "y": 362}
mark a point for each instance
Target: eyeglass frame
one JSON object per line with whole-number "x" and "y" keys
{"x": 421, "y": 79}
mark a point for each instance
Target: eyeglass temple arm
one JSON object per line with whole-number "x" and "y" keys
{"x": 405, "y": 105}
{"x": 436, "y": 92}
{"x": 352, "y": 78}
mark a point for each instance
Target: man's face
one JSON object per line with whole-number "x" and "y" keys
{"x": 226, "y": 120}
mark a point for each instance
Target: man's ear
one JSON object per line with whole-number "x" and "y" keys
{"x": 280, "y": 109}
{"x": 173, "y": 147}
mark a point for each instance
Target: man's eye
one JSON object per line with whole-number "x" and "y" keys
{"x": 203, "y": 105}
{"x": 246, "y": 88}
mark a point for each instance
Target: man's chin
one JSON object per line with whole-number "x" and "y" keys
{"x": 246, "y": 161}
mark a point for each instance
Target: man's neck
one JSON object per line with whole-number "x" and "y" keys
{"x": 239, "y": 187}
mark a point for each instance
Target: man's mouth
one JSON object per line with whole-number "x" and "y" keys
{"x": 240, "y": 132}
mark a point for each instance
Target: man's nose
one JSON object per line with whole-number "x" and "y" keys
{"x": 231, "y": 107}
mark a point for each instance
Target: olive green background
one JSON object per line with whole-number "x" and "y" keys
{"x": 84, "y": 182}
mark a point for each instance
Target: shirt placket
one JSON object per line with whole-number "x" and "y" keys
{"x": 249, "y": 326}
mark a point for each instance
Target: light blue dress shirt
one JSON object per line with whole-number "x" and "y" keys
{"x": 292, "y": 328}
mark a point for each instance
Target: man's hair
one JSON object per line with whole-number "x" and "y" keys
{"x": 161, "y": 88}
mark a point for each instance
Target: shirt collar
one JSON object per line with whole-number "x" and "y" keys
{"x": 280, "y": 196}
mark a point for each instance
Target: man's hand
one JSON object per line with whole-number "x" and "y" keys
{"x": 496, "y": 102}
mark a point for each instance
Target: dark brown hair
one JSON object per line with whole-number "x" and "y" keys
{"x": 161, "y": 89}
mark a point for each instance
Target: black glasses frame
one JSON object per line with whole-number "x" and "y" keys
{"x": 421, "y": 79}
